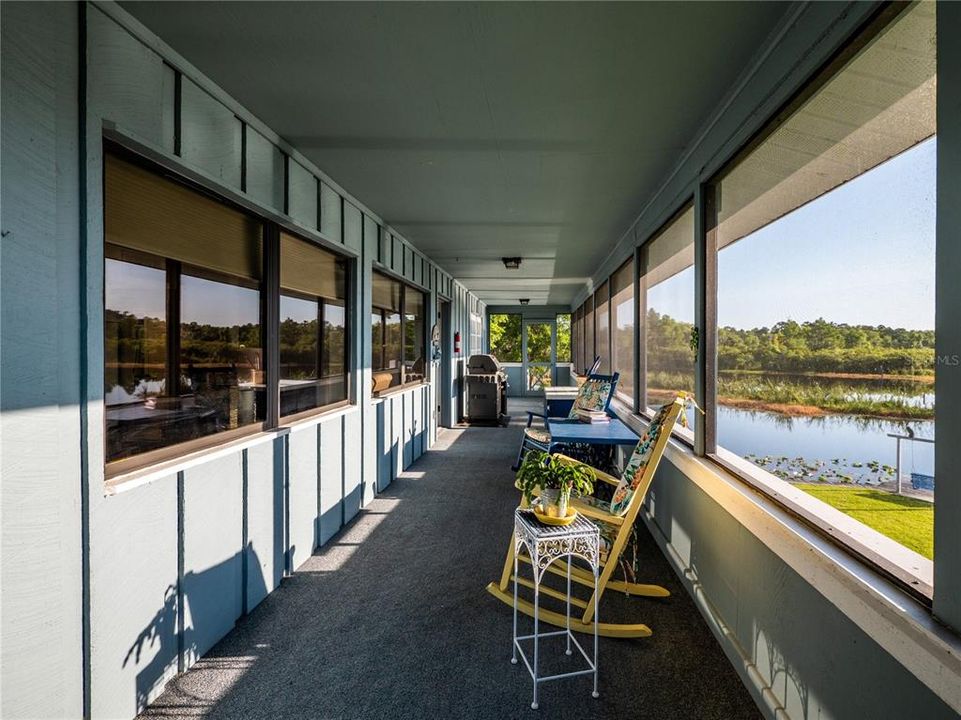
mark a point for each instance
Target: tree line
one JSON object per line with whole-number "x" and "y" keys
{"x": 817, "y": 346}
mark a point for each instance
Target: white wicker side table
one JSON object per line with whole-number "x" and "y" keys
{"x": 545, "y": 544}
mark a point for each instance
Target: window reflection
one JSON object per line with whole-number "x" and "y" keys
{"x": 398, "y": 325}
{"x": 414, "y": 361}
{"x": 313, "y": 327}
{"x": 335, "y": 351}
{"x": 221, "y": 360}
{"x": 135, "y": 355}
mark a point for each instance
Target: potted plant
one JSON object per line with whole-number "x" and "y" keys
{"x": 556, "y": 479}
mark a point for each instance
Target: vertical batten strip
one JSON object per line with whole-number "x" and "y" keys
{"x": 178, "y": 113}
{"x": 181, "y": 649}
{"x": 244, "y": 532}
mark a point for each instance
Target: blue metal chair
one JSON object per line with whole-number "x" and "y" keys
{"x": 594, "y": 394}
{"x": 595, "y": 366}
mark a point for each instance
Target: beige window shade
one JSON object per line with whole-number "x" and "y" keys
{"x": 879, "y": 105}
{"x": 311, "y": 270}
{"x": 414, "y": 304}
{"x": 147, "y": 212}
{"x": 386, "y": 292}
{"x": 670, "y": 252}
{"x": 622, "y": 278}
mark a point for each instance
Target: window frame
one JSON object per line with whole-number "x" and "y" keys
{"x": 602, "y": 296}
{"x": 701, "y": 444}
{"x": 116, "y": 472}
{"x": 404, "y": 287}
{"x": 174, "y": 270}
{"x": 688, "y": 436}
{"x": 849, "y": 535}
{"x": 629, "y": 264}
{"x": 348, "y": 337}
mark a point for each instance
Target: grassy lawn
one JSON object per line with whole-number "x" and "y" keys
{"x": 907, "y": 520}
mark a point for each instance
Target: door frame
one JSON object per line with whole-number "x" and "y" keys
{"x": 444, "y": 392}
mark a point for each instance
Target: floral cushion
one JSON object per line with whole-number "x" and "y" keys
{"x": 592, "y": 395}
{"x": 538, "y": 435}
{"x": 634, "y": 470}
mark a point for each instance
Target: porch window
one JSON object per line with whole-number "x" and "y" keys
{"x": 602, "y": 326}
{"x": 398, "y": 322}
{"x": 825, "y": 237}
{"x": 667, "y": 304}
{"x": 577, "y": 341}
{"x": 313, "y": 327}
{"x": 622, "y": 329}
{"x": 185, "y": 318}
{"x": 183, "y": 350}
{"x": 588, "y": 307}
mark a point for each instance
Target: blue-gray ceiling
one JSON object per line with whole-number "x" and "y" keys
{"x": 481, "y": 130}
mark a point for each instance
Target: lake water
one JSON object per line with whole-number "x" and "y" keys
{"x": 849, "y": 439}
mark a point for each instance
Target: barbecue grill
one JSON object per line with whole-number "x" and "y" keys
{"x": 486, "y": 390}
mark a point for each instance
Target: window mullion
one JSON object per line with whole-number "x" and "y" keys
{"x": 321, "y": 333}
{"x": 271, "y": 323}
{"x": 173, "y": 388}
{"x": 403, "y": 334}
{"x": 705, "y": 321}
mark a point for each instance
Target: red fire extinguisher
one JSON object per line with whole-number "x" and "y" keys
{"x": 457, "y": 343}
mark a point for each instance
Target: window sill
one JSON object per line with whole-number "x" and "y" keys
{"x": 390, "y": 392}
{"x": 877, "y": 605}
{"x": 144, "y": 476}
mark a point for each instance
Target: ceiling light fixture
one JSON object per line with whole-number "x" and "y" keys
{"x": 511, "y": 263}
{"x": 525, "y": 301}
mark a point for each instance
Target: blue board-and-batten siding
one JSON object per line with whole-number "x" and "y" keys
{"x": 180, "y": 558}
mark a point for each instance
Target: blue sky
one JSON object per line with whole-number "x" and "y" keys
{"x": 862, "y": 254}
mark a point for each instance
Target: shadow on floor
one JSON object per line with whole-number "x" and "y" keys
{"x": 391, "y": 620}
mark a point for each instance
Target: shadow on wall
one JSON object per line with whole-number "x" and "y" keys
{"x": 206, "y": 604}
{"x": 175, "y": 634}
{"x": 702, "y": 566}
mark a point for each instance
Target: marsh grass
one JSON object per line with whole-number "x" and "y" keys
{"x": 804, "y": 395}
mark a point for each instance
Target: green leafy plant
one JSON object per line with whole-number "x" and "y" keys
{"x": 553, "y": 472}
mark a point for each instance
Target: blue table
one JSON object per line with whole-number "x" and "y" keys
{"x": 570, "y": 432}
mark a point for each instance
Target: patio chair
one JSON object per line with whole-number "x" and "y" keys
{"x": 595, "y": 366}
{"x": 616, "y": 520}
{"x": 594, "y": 394}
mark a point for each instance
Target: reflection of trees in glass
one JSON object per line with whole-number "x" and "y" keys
{"x": 335, "y": 339}
{"x": 393, "y": 351}
{"x": 135, "y": 328}
{"x": 505, "y": 337}
{"x": 298, "y": 349}
{"x": 564, "y": 339}
{"x": 135, "y": 349}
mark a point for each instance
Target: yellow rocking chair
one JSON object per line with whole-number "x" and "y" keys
{"x": 616, "y": 520}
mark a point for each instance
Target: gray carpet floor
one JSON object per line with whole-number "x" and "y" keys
{"x": 391, "y": 620}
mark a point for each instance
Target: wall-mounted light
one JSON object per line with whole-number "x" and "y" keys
{"x": 511, "y": 263}
{"x": 525, "y": 301}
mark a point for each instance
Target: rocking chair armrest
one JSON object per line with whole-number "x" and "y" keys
{"x": 595, "y": 513}
{"x": 599, "y": 474}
